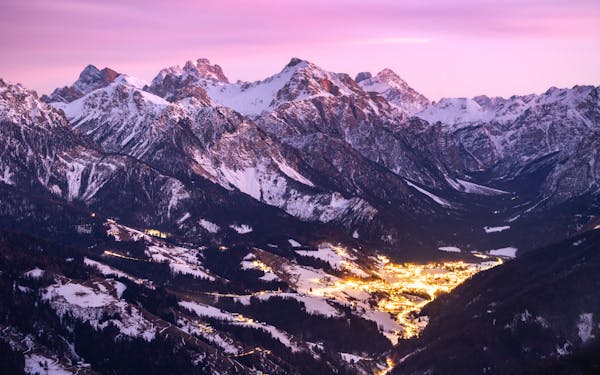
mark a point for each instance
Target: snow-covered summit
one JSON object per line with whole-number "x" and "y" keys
{"x": 458, "y": 111}
{"x": 455, "y": 111}
{"x": 299, "y": 80}
{"x": 176, "y": 82}
{"x": 394, "y": 89}
{"x": 192, "y": 70}
{"x": 21, "y": 106}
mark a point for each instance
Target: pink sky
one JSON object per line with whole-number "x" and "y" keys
{"x": 442, "y": 48}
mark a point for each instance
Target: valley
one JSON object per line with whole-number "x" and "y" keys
{"x": 368, "y": 286}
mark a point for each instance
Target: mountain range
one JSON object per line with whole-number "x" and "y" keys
{"x": 218, "y": 173}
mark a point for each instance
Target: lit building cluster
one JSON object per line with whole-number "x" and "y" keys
{"x": 156, "y": 233}
{"x": 257, "y": 264}
{"x": 402, "y": 289}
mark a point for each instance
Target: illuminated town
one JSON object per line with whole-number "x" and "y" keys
{"x": 400, "y": 289}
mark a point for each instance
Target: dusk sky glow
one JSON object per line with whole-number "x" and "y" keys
{"x": 441, "y": 48}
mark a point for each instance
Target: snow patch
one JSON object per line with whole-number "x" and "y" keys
{"x": 294, "y": 243}
{"x": 94, "y": 303}
{"x": 37, "y": 364}
{"x": 107, "y": 270}
{"x": 450, "y": 249}
{"x": 313, "y": 305}
{"x": 470, "y": 187}
{"x": 292, "y": 173}
{"x": 496, "y": 229}
{"x": 245, "y": 180}
{"x": 250, "y": 99}
{"x": 326, "y": 253}
{"x": 209, "y": 226}
{"x": 435, "y": 198}
{"x": 241, "y": 229}
{"x": 351, "y": 358}
{"x": 237, "y": 319}
{"x": 506, "y": 252}
{"x": 183, "y": 218}
{"x": 35, "y": 273}
{"x": 7, "y": 176}
{"x": 181, "y": 260}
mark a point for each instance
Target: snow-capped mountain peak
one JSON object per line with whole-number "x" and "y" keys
{"x": 455, "y": 111}
{"x": 298, "y": 80}
{"x": 394, "y": 89}
{"x": 294, "y": 61}
{"x": 390, "y": 77}
{"x": 90, "y": 79}
{"x": 202, "y": 68}
{"x": 21, "y": 106}
{"x": 460, "y": 111}
{"x": 175, "y": 83}
{"x": 309, "y": 80}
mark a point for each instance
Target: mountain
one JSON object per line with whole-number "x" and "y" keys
{"x": 175, "y": 83}
{"x": 304, "y": 100}
{"x": 541, "y": 147}
{"x": 42, "y": 153}
{"x": 187, "y": 138}
{"x": 503, "y": 139}
{"x": 90, "y": 79}
{"x": 394, "y": 89}
{"x": 65, "y": 198}
{"x": 44, "y": 157}
{"x": 313, "y": 101}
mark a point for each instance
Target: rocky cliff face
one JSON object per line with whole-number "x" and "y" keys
{"x": 90, "y": 79}
{"x": 176, "y": 83}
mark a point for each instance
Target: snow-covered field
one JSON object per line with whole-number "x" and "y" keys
{"x": 506, "y": 252}
{"x": 325, "y": 253}
{"x": 37, "y": 364}
{"x": 94, "y": 302}
{"x": 450, "y": 249}
{"x": 107, "y": 270}
{"x": 496, "y": 229}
